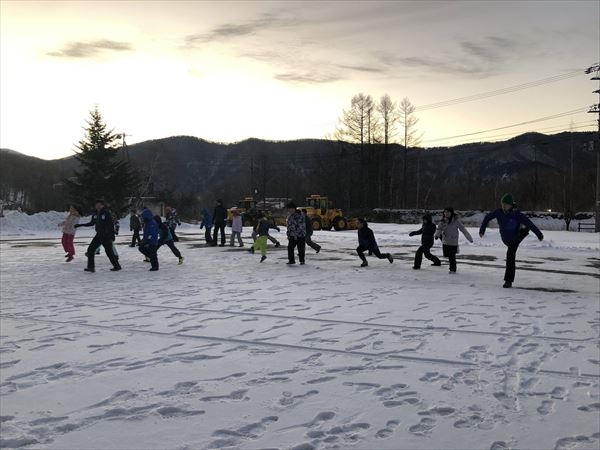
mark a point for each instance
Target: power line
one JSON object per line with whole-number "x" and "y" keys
{"x": 496, "y": 92}
{"x": 541, "y": 119}
{"x": 556, "y": 128}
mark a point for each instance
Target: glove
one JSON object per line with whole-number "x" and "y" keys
{"x": 437, "y": 237}
{"x": 277, "y": 228}
{"x": 412, "y": 233}
{"x": 77, "y": 226}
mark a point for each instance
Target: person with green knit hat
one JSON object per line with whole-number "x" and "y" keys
{"x": 514, "y": 227}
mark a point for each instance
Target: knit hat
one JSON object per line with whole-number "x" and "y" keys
{"x": 507, "y": 199}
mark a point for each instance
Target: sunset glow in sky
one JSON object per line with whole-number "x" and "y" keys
{"x": 226, "y": 71}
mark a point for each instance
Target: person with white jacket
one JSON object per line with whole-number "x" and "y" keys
{"x": 68, "y": 230}
{"x": 447, "y": 231}
{"x": 236, "y": 228}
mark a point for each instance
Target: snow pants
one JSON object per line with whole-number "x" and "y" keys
{"x": 261, "y": 244}
{"x": 221, "y": 227}
{"x": 149, "y": 251}
{"x": 312, "y": 244}
{"x": 450, "y": 252}
{"x": 135, "y": 239}
{"x": 108, "y": 248}
{"x": 511, "y": 256}
{"x": 299, "y": 242}
{"x": 374, "y": 250}
{"x": 67, "y": 243}
{"x": 171, "y": 245}
{"x": 235, "y": 234}
{"x": 425, "y": 250}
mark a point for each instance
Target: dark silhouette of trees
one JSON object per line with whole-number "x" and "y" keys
{"x": 104, "y": 172}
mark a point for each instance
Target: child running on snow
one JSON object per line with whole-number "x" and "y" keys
{"x": 448, "y": 232}
{"x": 166, "y": 238}
{"x": 68, "y": 230}
{"x": 514, "y": 227}
{"x": 262, "y": 230}
{"x": 427, "y": 232}
{"x": 366, "y": 241}
{"x": 236, "y": 228}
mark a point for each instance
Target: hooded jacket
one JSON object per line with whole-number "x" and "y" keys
{"x": 510, "y": 225}
{"x": 206, "y": 219}
{"x": 427, "y": 232}
{"x": 150, "y": 228}
{"x": 366, "y": 238}
{"x": 103, "y": 222}
{"x": 296, "y": 225}
{"x": 448, "y": 230}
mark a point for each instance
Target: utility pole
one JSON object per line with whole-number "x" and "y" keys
{"x": 122, "y": 136}
{"x": 595, "y": 109}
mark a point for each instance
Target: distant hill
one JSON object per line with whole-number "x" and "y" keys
{"x": 192, "y": 172}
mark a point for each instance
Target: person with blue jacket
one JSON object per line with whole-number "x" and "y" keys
{"x": 514, "y": 227}
{"x": 149, "y": 243}
{"x": 207, "y": 223}
{"x": 166, "y": 238}
{"x": 366, "y": 241}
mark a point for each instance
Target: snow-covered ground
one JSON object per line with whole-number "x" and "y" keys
{"x": 224, "y": 352}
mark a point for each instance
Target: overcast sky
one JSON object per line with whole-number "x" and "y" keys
{"x": 227, "y": 71}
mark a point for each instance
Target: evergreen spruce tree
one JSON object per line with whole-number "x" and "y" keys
{"x": 104, "y": 172}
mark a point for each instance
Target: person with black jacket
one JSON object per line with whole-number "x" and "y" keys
{"x": 514, "y": 227}
{"x": 219, "y": 219}
{"x": 427, "y": 232}
{"x": 366, "y": 241}
{"x": 309, "y": 232}
{"x": 135, "y": 225}
{"x": 105, "y": 235}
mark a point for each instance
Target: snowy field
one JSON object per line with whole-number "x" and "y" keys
{"x": 224, "y": 352}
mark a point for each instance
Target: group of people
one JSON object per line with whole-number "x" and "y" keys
{"x": 514, "y": 227}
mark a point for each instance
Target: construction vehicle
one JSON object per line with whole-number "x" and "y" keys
{"x": 324, "y": 216}
{"x": 247, "y": 208}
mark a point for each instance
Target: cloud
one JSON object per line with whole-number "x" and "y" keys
{"x": 479, "y": 59}
{"x": 90, "y": 48}
{"x": 307, "y": 77}
{"x": 232, "y": 30}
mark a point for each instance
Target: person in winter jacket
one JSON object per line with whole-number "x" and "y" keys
{"x": 514, "y": 227}
{"x": 269, "y": 237}
{"x": 166, "y": 238}
{"x": 68, "y": 230}
{"x": 296, "y": 234}
{"x": 172, "y": 221}
{"x": 366, "y": 241}
{"x": 236, "y": 228}
{"x": 135, "y": 226}
{"x": 427, "y": 232}
{"x": 262, "y": 230}
{"x": 309, "y": 232}
{"x": 149, "y": 243}
{"x": 448, "y": 232}
{"x": 219, "y": 219}
{"x": 105, "y": 235}
{"x": 207, "y": 224}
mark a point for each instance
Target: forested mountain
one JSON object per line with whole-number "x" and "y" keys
{"x": 192, "y": 173}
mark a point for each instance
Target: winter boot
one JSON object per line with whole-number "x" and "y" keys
{"x": 262, "y": 258}
{"x": 89, "y": 269}
{"x": 180, "y": 261}
{"x": 277, "y": 244}
{"x": 507, "y": 284}
{"x": 390, "y": 258}
{"x": 69, "y": 258}
{"x": 364, "y": 264}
